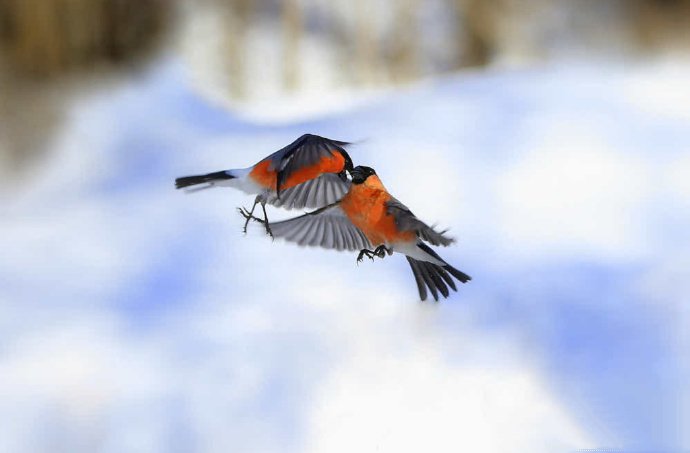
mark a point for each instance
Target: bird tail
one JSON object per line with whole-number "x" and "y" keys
{"x": 209, "y": 178}
{"x": 434, "y": 276}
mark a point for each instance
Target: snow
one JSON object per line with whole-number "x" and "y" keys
{"x": 136, "y": 318}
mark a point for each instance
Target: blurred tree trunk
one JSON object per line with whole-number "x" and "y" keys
{"x": 476, "y": 24}
{"x": 48, "y": 37}
{"x": 404, "y": 61}
{"x": 661, "y": 23}
{"x": 30, "y": 113}
{"x": 344, "y": 48}
{"x": 292, "y": 33}
{"x": 366, "y": 44}
{"x": 237, "y": 14}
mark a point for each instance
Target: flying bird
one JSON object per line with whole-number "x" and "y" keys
{"x": 309, "y": 172}
{"x": 367, "y": 217}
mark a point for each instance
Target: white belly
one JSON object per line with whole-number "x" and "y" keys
{"x": 410, "y": 249}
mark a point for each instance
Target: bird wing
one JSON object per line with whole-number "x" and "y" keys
{"x": 315, "y": 193}
{"x": 327, "y": 227}
{"x": 304, "y": 152}
{"x": 405, "y": 220}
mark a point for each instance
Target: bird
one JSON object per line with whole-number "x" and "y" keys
{"x": 310, "y": 172}
{"x": 371, "y": 220}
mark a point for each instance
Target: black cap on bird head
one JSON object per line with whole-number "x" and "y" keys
{"x": 360, "y": 174}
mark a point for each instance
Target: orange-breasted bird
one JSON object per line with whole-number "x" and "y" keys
{"x": 309, "y": 172}
{"x": 367, "y": 217}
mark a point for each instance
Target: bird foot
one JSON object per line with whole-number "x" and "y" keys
{"x": 379, "y": 252}
{"x": 365, "y": 252}
{"x": 244, "y": 212}
{"x": 249, "y": 216}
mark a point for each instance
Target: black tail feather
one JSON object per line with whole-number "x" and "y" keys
{"x": 187, "y": 181}
{"x": 463, "y": 277}
{"x": 421, "y": 286}
{"x": 448, "y": 279}
{"x": 427, "y": 279}
{"x": 435, "y": 277}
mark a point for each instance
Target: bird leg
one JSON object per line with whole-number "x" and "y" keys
{"x": 266, "y": 224}
{"x": 380, "y": 252}
{"x": 249, "y": 215}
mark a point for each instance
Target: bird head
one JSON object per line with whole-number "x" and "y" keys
{"x": 360, "y": 174}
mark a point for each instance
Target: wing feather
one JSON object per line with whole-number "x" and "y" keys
{"x": 338, "y": 236}
{"x": 330, "y": 192}
{"x": 328, "y": 241}
{"x": 304, "y": 152}
{"x": 313, "y": 194}
{"x": 309, "y": 232}
{"x": 405, "y": 220}
{"x": 327, "y": 227}
{"x": 320, "y": 234}
{"x": 347, "y": 239}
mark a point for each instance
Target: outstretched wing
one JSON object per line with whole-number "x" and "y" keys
{"x": 406, "y": 221}
{"x": 306, "y": 151}
{"x": 315, "y": 193}
{"x": 327, "y": 227}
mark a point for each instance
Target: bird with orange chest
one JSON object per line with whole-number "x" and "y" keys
{"x": 367, "y": 217}
{"x": 309, "y": 172}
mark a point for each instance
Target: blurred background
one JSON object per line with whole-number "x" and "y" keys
{"x": 551, "y": 136}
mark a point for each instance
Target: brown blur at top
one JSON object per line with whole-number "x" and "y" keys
{"x": 241, "y": 49}
{"x": 383, "y": 40}
{"x": 52, "y": 50}
{"x": 45, "y": 38}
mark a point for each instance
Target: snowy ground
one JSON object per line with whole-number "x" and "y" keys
{"x": 136, "y": 318}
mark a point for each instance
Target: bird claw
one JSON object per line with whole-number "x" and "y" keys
{"x": 244, "y": 212}
{"x": 249, "y": 216}
{"x": 369, "y": 254}
{"x": 381, "y": 251}
{"x": 268, "y": 229}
